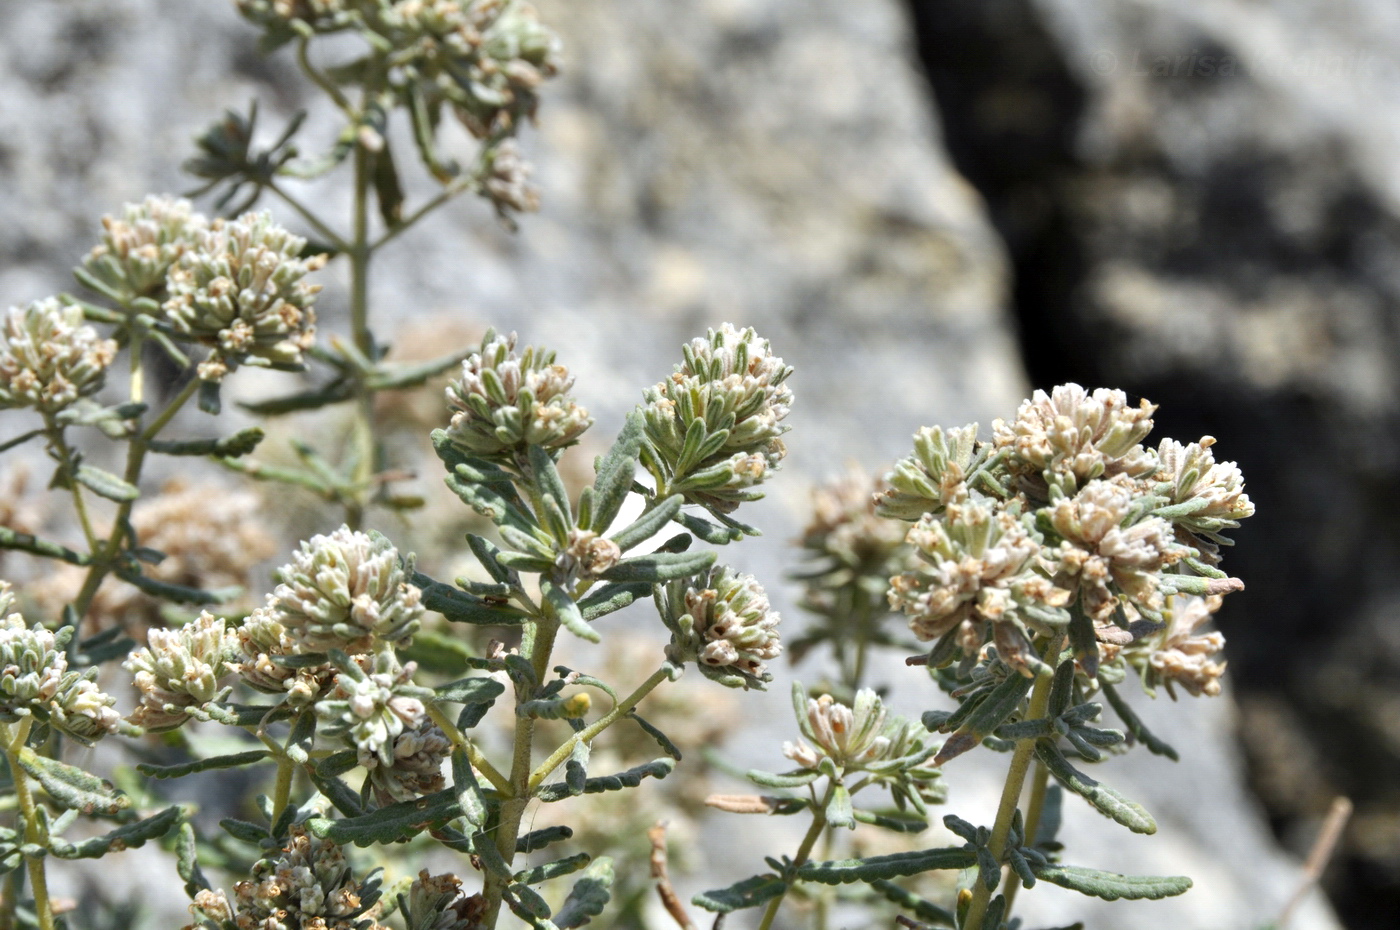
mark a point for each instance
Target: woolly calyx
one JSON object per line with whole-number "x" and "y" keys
{"x": 240, "y": 289}
{"x": 49, "y": 357}
{"x": 343, "y": 591}
{"x": 722, "y": 620}
{"x": 508, "y": 400}
{"x": 437, "y": 902}
{"x": 416, "y": 770}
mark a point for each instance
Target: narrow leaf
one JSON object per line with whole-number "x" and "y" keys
{"x": 566, "y": 610}
{"x": 1108, "y": 802}
{"x": 631, "y": 778}
{"x": 470, "y": 691}
{"x": 71, "y": 786}
{"x": 751, "y": 892}
{"x": 1136, "y": 728}
{"x": 559, "y": 867}
{"x": 203, "y": 765}
{"x": 919, "y": 907}
{"x": 1110, "y": 885}
{"x": 129, "y": 836}
{"x": 392, "y": 823}
{"x": 588, "y": 897}
{"x": 539, "y": 839}
{"x": 649, "y": 524}
{"x": 612, "y": 597}
{"x": 239, "y": 444}
{"x": 105, "y": 484}
{"x": 615, "y": 473}
{"x": 846, "y": 871}
{"x": 660, "y": 566}
{"x": 460, "y": 607}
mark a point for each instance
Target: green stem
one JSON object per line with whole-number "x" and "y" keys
{"x": 1011, "y": 793}
{"x": 803, "y": 851}
{"x": 1040, "y": 783}
{"x": 623, "y": 708}
{"x": 70, "y": 472}
{"x": 333, "y": 239}
{"x": 282, "y": 792}
{"x": 447, "y": 193}
{"x": 474, "y": 755}
{"x": 321, "y": 81}
{"x": 538, "y": 645}
{"x": 14, "y": 742}
{"x": 359, "y": 254}
{"x": 135, "y": 457}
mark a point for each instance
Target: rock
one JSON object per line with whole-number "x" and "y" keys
{"x": 1200, "y": 206}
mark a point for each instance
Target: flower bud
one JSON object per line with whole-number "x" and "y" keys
{"x": 371, "y": 705}
{"x": 48, "y": 357}
{"x": 1075, "y": 436}
{"x": 307, "y": 884}
{"x": 934, "y": 476}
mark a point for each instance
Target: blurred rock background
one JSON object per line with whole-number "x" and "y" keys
{"x": 929, "y": 208}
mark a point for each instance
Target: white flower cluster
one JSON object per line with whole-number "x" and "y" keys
{"x": 723, "y": 621}
{"x": 49, "y": 357}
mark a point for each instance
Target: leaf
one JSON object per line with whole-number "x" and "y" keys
{"x": 71, "y": 786}
{"x": 1086, "y": 645}
{"x": 253, "y": 833}
{"x": 631, "y": 778}
{"x": 391, "y": 823}
{"x": 178, "y": 593}
{"x": 24, "y": 542}
{"x": 559, "y": 867}
{"x": 649, "y": 524}
{"x": 1004, "y": 700}
{"x": 539, "y": 839}
{"x": 919, "y": 907}
{"x": 1136, "y": 728}
{"x": 187, "y": 861}
{"x": 477, "y": 491}
{"x": 662, "y": 739}
{"x": 129, "y": 836}
{"x": 791, "y": 780}
{"x": 565, "y": 609}
{"x": 460, "y": 607}
{"x": 615, "y": 473}
{"x": 105, "y": 484}
{"x": 486, "y": 553}
{"x": 1111, "y": 886}
{"x": 334, "y": 392}
{"x": 714, "y": 533}
{"x": 547, "y": 478}
{"x": 588, "y": 897}
{"x": 751, "y": 892}
{"x": 239, "y": 444}
{"x": 660, "y": 566}
{"x": 470, "y": 691}
{"x": 612, "y": 597}
{"x": 1108, "y": 801}
{"x": 898, "y": 824}
{"x": 434, "y": 652}
{"x": 474, "y": 808}
{"x": 839, "y": 812}
{"x": 203, "y": 765}
{"x": 393, "y": 377}
{"x": 526, "y": 904}
{"x": 846, "y": 871}
{"x": 208, "y": 399}
{"x": 388, "y": 192}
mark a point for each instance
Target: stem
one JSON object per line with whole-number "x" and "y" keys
{"x": 70, "y": 472}
{"x": 332, "y": 238}
{"x": 622, "y": 709}
{"x": 803, "y": 851}
{"x": 14, "y": 742}
{"x": 282, "y": 792}
{"x": 1011, "y": 794}
{"x": 135, "y": 458}
{"x": 321, "y": 81}
{"x": 1040, "y": 782}
{"x": 539, "y": 643}
{"x": 474, "y": 755}
{"x": 446, "y": 194}
{"x": 359, "y": 254}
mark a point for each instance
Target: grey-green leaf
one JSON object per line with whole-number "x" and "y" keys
{"x": 1110, "y": 885}
{"x": 71, "y": 786}
{"x": 1106, "y": 800}
{"x": 660, "y": 566}
{"x": 649, "y": 524}
{"x": 203, "y": 765}
{"x": 129, "y": 836}
{"x": 751, "y": 892}
{"x": 615, "y": 474}
{"x": 105, "y": 484}
{"x": 846, "y": 871}
{"x": 588, "y": 897}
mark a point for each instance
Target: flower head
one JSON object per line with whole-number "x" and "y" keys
{"x": 139, "y": 247}
{"x": 1205, "y": 496}
{"x": 731, "y": 388}
{"x": 1180, "y": 654}
{"x": 240, "y": 289}
{"x": 35, "y": 679}
{"x": 49, "y": 357}
{"x": 374, "y": 702}
{"x": 262, "y": 639}
{"x": 723, "y": 621}
{"x": 179, "y": 671}
{"x": 416, "y": 768}
{"x": 1111, "y": 554}
{"x": 508, "y": 400}
{"x": 437, "y": 902}
{"x": 343, "y": 590}
{"x": 849, "y": 736}
{"x": 1072, "y": 435}
{"x": 983, "y": 567}
{"x": 934, "y": 476}
{"x": 307, "y": 885}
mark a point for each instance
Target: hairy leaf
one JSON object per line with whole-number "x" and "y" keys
{"x": 1108, "y": 802}
{"x": 751, "y": 892}
{"x": 1111, "y": 886}
{"x": 660, "y": 566}
{"x": 203, "y": 765}
{"x": 588, "y": 897}
{"x": 71, "y": 786}
{"x": 129, "y": 836}
{"x": 846, "y": 871}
